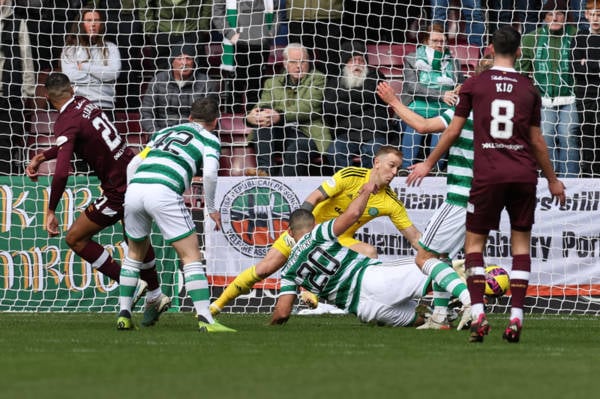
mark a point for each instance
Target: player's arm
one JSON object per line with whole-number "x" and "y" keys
{"x": 59, "y": 182}
{"x": 355, "y": 210}
{"x": 540, "y": 152}
{"x": 452, "y": 132}
{"x": 211, "y": 169}
{"x": 283, "y": 308}
{"x": 34, "y": 164}
{"x": 411, "y": 118}
{"x": 314, "y": 199}
{"x": 412, "y": 234}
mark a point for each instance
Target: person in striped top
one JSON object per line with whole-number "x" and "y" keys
{"x": 155, "y": 193}
{"x": 444, "y": 235}
{"x": 375, "y": 291}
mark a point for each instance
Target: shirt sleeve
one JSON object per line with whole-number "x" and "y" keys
{"x": 211, "y": 169}
{"x": 61, "y": 173}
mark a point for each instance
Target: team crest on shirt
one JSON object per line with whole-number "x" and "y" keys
{"x": 373, "y": 211}
{"x": 255, "y": 212}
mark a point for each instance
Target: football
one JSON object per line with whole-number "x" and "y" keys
{"x": 497, "y": 281}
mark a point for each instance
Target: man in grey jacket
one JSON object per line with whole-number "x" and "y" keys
{"x": 170, "y": 94}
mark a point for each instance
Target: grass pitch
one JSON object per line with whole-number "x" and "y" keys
{"x": 78, "y": 355}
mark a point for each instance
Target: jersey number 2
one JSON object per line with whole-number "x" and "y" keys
{"x": 318, "y": 268}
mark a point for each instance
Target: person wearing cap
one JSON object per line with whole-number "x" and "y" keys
{"x": 546, "y": 57}
{"x": 357, "y": 117}
{"x": 169, "y": 96}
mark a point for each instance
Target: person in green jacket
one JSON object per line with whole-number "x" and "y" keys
{"x": 546, "y": 56}
{"x": 289, "y": 118}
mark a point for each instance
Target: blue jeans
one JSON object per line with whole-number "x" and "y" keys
{"x": 560, "y": 126}
{"x": 471, "y": 10}
{"x": 412, "y": 142}
{"x": 341, "y": 151}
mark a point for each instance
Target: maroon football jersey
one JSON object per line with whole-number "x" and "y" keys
{"x": 82, "y": 128}
{"x": 505, "y": 104}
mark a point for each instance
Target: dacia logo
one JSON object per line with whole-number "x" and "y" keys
{"x": 255, "y": 212}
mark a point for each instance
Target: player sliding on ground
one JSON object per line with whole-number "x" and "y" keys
{"x": 82, "y": 128}
{"x": 334, "y": 195}
{"x": 375, "y": 291}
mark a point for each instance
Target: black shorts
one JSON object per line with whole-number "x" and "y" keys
{"x": 106, "y": 211}
{"x": 486, "y": 203}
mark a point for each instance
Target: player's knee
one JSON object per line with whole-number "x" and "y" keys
{"x": 74, "y": 242}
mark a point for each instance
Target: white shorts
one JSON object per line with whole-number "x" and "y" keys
{"x": 445, "y": 232}
{"x": 388, "y": 292}
{"x": 147, "y": 202}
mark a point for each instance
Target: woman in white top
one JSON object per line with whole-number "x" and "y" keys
{"x": 92, "y": 63}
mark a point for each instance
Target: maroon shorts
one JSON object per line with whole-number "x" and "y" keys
{"x": 106, "y": 211}
{"x": 486, "y": 203}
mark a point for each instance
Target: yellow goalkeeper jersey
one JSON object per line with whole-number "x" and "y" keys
{"x": 341, "y": 189}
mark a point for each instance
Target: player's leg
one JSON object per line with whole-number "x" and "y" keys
{"x": 521, "y": 209}
{"x": 444, "y": 235}
{"x": 102, "y": 213}
{"x": 130, "y": 275}
{"x": 196, "y": 284}
{"x": 243, "y": 283}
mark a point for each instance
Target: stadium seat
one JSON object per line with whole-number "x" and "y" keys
{"x": 233, "y": 128}
{"x": 275, "y": 62}
{"x": 237, "y": 156}
{"x": 388, "y": 57}
{"x": 468, "y": 55}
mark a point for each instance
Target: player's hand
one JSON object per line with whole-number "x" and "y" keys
{"x": 32, "y": 168}
{"x": 370, "y": 188}
{"x": 51, "y": 224}
{"x": 557, "y": 190}
{"x": 216, "y": 217}
{"x": 417, "y": 173}
{"x": 386, "y": 92}
{"x": 450, "y": 98}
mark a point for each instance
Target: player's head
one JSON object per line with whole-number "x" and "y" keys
{"x": 58, "y": 88}
{"x": 301, "y": 222}
{"x": 506, "y": 41}
{"x": 386, "y": 164}
{"x": 205, "y": 111}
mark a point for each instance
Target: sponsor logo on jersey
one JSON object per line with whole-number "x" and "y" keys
{"x": 255, "y": 212}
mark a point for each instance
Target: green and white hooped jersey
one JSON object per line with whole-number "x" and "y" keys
{"x": 323, "y": 266}
{"x": 460, "y": 162}
{"x": 176, "y": 154}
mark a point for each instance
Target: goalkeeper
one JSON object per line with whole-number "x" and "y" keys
{"x": 374, "y": 291}
{"x": 327, "y": 202}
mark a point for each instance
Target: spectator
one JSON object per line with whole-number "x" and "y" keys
{"x": 431, "y": 78}
{"x": 124, "y": 29}
{"x": 250, "y": 39}
{"x": 473, "y": 15}
{"x": 289, "y": 116}
{"x": 317, "y": 24}
{"x": 171, "y": 22}
{"x": 170, "y": 94}
{"x": 92, "y": 63}
{"x": 357, "y": 118}
{"x": 16, "y": 85}
{"x": 546, "y": 55}
{"x": 586, "y": 64}
{"x": 523, "y": 15}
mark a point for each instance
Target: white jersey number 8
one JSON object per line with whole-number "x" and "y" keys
{"x": 501, "y": 126}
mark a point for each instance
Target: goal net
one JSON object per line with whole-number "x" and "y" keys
{"x": 40, "y": 273}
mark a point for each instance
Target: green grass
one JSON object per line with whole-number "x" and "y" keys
{"x": 74, "y": 355}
